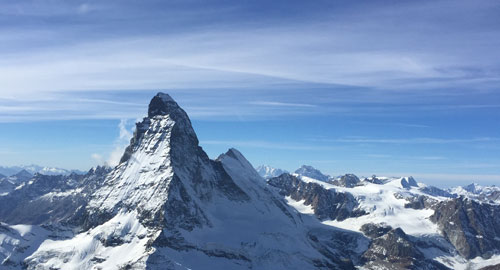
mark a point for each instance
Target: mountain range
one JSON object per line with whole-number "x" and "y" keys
{"x": 32, "y": 169}
{"x": 167, "y": 205}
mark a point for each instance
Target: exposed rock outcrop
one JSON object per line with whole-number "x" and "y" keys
{"x": 472, "y": 227}
{"x": 326, "y": 203}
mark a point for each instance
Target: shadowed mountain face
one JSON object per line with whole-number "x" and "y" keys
{"x": 167, "y": 205}
{"x": 326, "y": 203}
{"x": 472, "y": 227}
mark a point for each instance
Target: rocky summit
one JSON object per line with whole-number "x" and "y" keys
{"x": 167, "y": 205}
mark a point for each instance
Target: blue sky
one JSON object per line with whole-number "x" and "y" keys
{"x": 369, "y": 87}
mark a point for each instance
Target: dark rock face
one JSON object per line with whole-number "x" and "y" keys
{"x": 492, "y": 267}
{"x": 348, "y": 180}
{"x": 310, "y": 171}
{"x": 420, "y": 202}
{"x": 472, "y": 227}
{"x": 373, "y": 231}
{"x": 393, "y": 249}
{"x": 326, "y": 203}
{"x": 408, "y": 182}
{"x": 412, "y": 182}
{"x": 338, "y": 246}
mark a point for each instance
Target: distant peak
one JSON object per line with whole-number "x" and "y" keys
{"x": 267, "y": 171}
{"x": 23, "y": 172}
{"x": 310, "y": 171}
{"x": 234, "y": 154}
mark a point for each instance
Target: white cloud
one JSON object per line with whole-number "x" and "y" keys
{"x": 124, "y": 133}
{"x": 410, "y": 140}
{"x": 376, "y": 51}
{"x": 267, "y": 145}
{"x": 350, "y": 53}
{"x": 97, "y": 158}
{"x": 120, "y": 143}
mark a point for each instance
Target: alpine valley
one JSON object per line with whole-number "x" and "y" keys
{"x": 167, "y": 205}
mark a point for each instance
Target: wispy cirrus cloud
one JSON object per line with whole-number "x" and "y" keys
{"x": 410, "y": 140}
{"x": 405, "y": 157}
{"x": 267, "y": 145}
{"x": 282, "y": 104}
{"x": 203, "y": 52}
{"x": 401, "y": 60}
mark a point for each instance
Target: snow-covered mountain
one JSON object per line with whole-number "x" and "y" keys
{"x": 489, "y": 194}
{"x": 32, "y": 169}
{"x": 267, "y": 171}
{"x": 168, "y": 206}
{"x": 9, "y": 183}
{"x": 312, "y": 172}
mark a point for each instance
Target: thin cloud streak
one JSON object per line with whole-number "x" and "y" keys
{"x": 295, "y": 52}
{"x": 267, "y": 145}
{"x": 281, "y": 104}
{"x": 410, "y": 140}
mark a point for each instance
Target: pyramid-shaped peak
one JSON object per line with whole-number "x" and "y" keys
{"x": 232, "y": 152}
{"x": 23, "y": 173}
{"x": 177, "y": 130}
{"x": 237, "y": 156}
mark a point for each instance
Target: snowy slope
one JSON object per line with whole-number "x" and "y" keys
{"x": 18, "y": 242}
{"x": 394, "y": 203}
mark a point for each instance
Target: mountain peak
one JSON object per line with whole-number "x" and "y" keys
{"x": 23, "y": 173}
{"x": 164, "y": 96}
{"x": 162, "y": 104}
{"x": 166, "y": 119}
{"x": 267, "y": 171}
{"x": 232, "y": 152}
{"x": 312, "y": 172}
